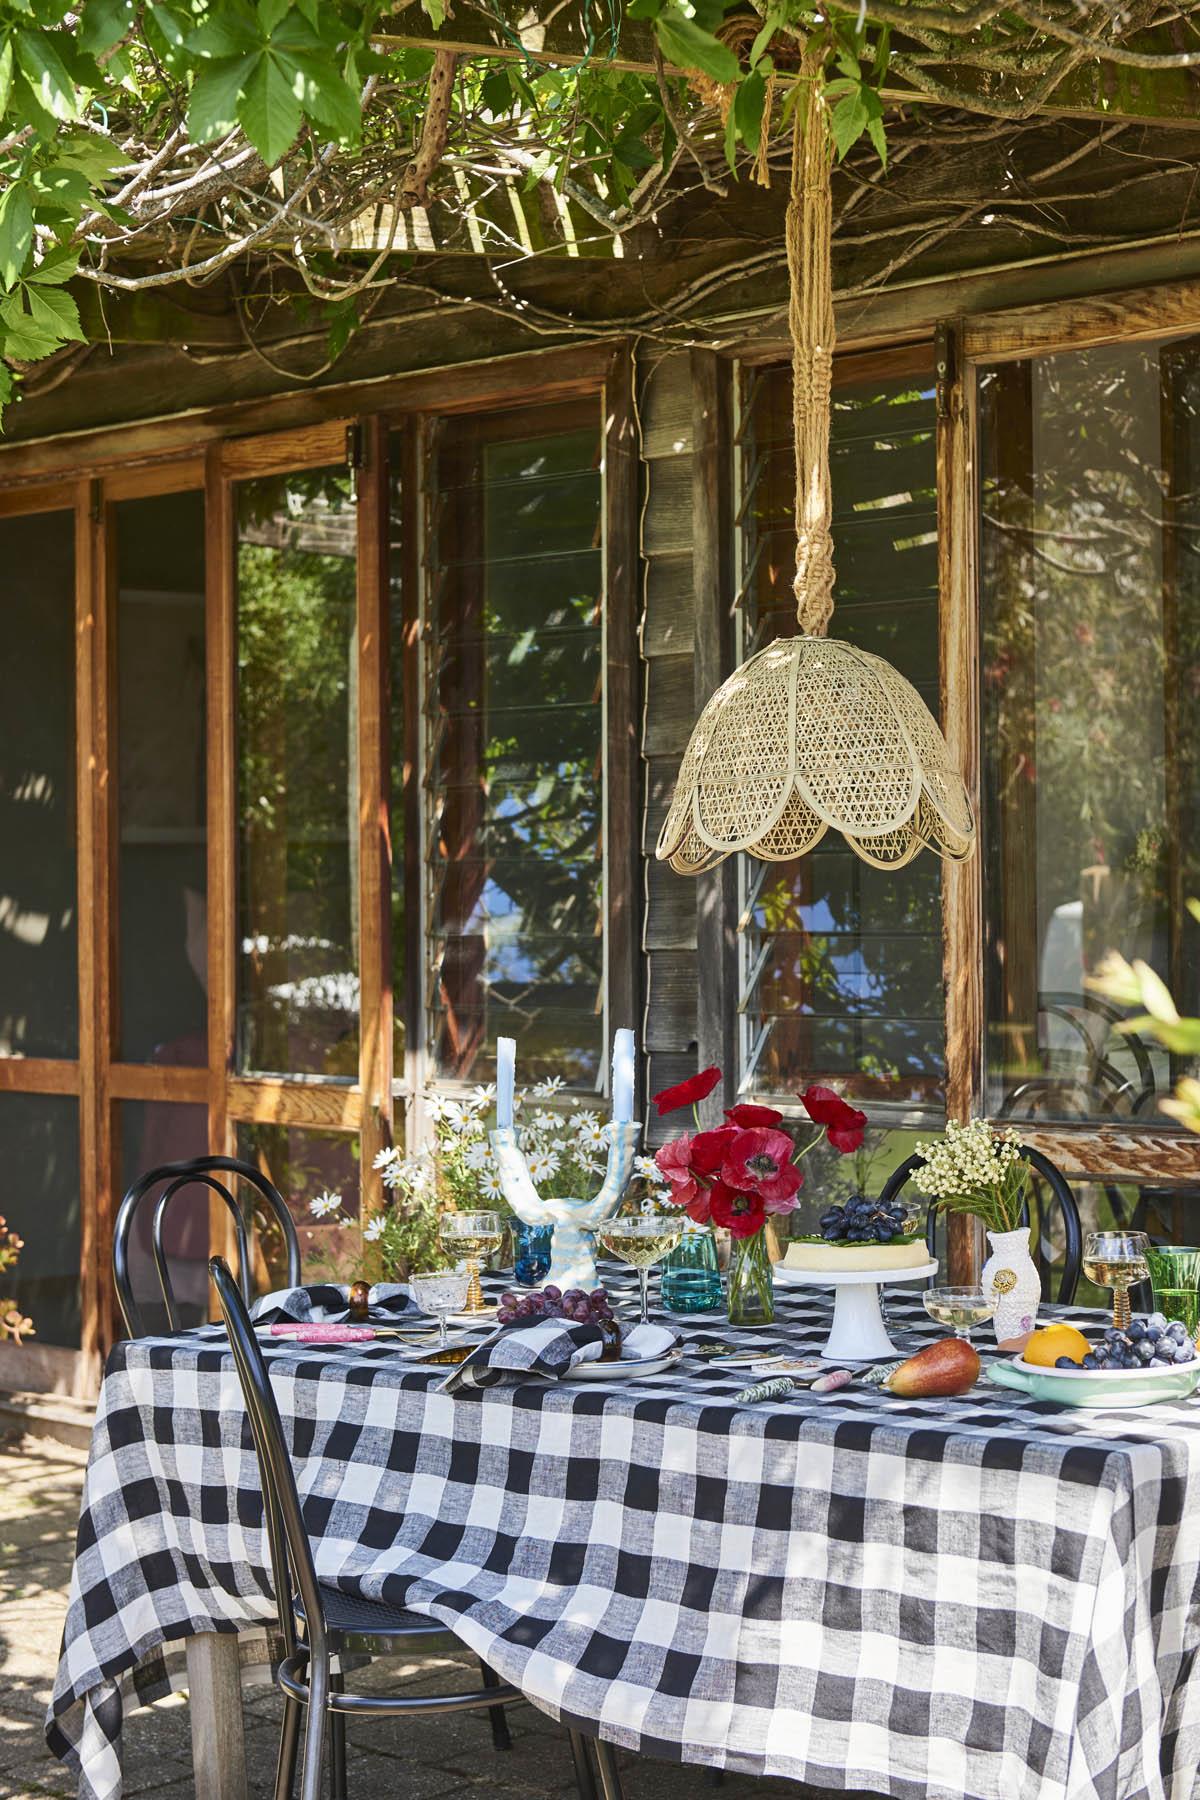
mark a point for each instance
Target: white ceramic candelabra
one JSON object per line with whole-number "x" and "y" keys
{"x": 575, "y": 1220}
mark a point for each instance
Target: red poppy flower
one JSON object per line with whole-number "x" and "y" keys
{"x": 844, "y": 1124}
{"x": 699, "y": 1207}
{"x": 689, "y": 1092}
{"x": 740, "y": 1214}
{"x": 760, "y": 1162}
{"x": 749, "y": 1116}
{"x": 709, "y": 1147}
{"x": 674, "y": 1163}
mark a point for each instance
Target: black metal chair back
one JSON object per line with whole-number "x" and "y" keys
{"x": 292, "y": 1568}
{"x": 200, "y": 1171}
{"x": 1064, "y": 1198}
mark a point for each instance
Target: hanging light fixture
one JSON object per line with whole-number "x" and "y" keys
{"x": 812, "y": 733}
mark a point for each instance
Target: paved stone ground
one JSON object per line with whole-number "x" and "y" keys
{"x": 391, "y": 1759}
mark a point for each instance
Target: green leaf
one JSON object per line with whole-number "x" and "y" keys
{"x": 496, "y": 92}
{"x": 270, "y": 12}
{"x": 23, "y": 338}
{"x": 435, "y": 12}
{"x": 269, "y": 111}
{"x": 43, "y": 69}
{"x": 105, "y": 23}
{"x": 55, "y": 310}
{"x": 96, "y": 157}
{"x": 686, "y": 45}
{"x": 16, "y": 231}
{"x": 771, "y": 24}
{"x": 847, "y": 122}
{"x": 878, "y": 137}
{"x": 747, "y": 109}
{"x": 173, "y": 28}
{"x": 58, "y": 265}
{"x": 230, "y": 34}
{"x": 63, "y": 187}
{"x": 6, "y": 74}
{"x": 6, "y": 386}
{"x": 323, "y": 94}
{"x": 731, "y": 141}
{"x": 216, "y": 91}
{"x": 882, "y": 54}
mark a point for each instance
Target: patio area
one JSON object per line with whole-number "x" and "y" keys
{"x": 40, "y": 1484}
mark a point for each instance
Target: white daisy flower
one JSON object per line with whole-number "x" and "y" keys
{"x": 545, "y": 1121}
{"x": 647, "y": 1168}
{"x": 489, "y": 1183}
{"x": 374, "y": 1228}
{"x": 481, "y": 1097}
{"x": 542, "y": 1164}
{"x": 544, "y": 1090}
{"x": 386, "y": 1158}
{"x": 325, "y": 1205}
{"x": 477, "y": 1156}
{"x": 593, "y": 1136}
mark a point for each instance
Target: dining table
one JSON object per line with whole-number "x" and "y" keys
{"x": 984, "y": 1597}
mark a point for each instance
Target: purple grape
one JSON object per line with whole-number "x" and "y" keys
{"x": 550, "y": 1292}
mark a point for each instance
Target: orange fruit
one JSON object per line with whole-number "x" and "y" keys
{"x": 1046, "y": 1346}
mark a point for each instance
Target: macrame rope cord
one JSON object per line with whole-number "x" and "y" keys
{"x": 810, "y": 319}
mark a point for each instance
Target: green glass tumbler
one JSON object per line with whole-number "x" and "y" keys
{"x": 1175, "y": 1277}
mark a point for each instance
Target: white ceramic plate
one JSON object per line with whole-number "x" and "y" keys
{"x": 625, "y": 1370}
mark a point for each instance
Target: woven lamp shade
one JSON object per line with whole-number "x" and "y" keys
{"x": 813, "y": 733}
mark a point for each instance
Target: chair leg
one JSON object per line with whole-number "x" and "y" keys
{"x": 314, "y": 1735}
{"x": 610, "y": 1774}
{"x": 715, "y": 1777}
{"x": 289, "y": 1738}
{"x": 496, "y": 1715}
{"x": 585, "y": 1780}
{"x": 337, "y": 1743}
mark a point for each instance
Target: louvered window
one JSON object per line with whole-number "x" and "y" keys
{"x": 515, "y": 752}
{"x": 841, "y": 964}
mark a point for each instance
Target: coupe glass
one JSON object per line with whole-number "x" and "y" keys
{"x": 473, "y": 1235}
{"x": 440, "y": 1291}
{"x": 959, "y": 1308}
{"x": 1115, "y": 1259}
{"x": 642, "y": 1239}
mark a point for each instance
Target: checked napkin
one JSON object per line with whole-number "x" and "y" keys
{"x": 549, "y": 1349}
{"x": 328, "y": 1304}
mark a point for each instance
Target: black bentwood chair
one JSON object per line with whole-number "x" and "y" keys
{"x": 1062, "y": 1196}
{"x": 201, "y": 1171}
{"x": 318, "y": 1622}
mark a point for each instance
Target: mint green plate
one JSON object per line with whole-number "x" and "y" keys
{"x": 1088, "y": 1387}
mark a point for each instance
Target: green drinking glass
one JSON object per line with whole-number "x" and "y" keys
{"x": 1175, "y": 1277}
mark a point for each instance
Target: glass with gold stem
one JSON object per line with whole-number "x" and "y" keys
{"x": 1116, "y": 1259}
{"x": 473, "y": 1235}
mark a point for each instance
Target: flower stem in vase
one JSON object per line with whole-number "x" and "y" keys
{"x": 751, "y": 1287}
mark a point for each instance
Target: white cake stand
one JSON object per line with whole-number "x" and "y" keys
{"x": 858, "y": 1333}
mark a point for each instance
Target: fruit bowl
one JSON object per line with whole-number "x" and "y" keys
{"x": 1098, "y": 1387}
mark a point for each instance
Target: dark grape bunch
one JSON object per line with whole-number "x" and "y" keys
{"x": 1148, "y": 1343}
{"x": 862, "y": 1222}
{"x": 551, "y": 1303}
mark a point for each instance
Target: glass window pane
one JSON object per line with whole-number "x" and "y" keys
{"x": 842, "y": 963}
{"x": 297, "y": 719}
{"x": 161, "y": 797}
{"x": 1090, "y": 578}
{"x": 152, "y": 1133}
{"x": 39, "y": 978}
{"x": 515, "y": 752}
{"x": 39, "y": 1153}
{"x": 305, "y": 1165}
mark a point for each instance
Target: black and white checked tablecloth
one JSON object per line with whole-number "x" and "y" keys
{"x": 983, "y": 1597}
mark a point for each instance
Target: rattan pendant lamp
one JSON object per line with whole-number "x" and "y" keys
{"x": 812, "y": 733}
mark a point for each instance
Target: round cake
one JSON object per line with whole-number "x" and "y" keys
{"x": 863, "y": 1234}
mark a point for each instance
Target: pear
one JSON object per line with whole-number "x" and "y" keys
{"x": 948, "y": 1367}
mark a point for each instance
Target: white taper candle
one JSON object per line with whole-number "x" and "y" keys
{"x": 622, "y": 1076}
{"x": 506, "y": 1064}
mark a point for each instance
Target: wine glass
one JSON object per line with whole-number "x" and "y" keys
{"x": 440, "y": 1291}
{"x": 642, "y": 1239}
{"x": 959, "y": 1308}
{"x": 473, "y": 1235}
{"x": 1115, "y": 1259}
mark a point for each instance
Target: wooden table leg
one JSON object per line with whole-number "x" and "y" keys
{"x": 218, "y": 1735}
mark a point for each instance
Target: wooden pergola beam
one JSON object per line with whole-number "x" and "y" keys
{"x": 508, "y": 30}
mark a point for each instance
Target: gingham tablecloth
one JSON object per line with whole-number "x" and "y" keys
{"x": 983, "y": 1597}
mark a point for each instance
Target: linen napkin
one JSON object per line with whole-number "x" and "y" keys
{"x": 547, "y": 1350}
{"x": 326, "y": 1303}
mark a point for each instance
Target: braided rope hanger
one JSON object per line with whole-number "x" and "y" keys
{"x": 812, "y": 733}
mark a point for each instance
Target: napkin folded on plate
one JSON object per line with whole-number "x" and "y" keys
{"x": 327, "y": 1304}
{"x": 549, "y": 1349}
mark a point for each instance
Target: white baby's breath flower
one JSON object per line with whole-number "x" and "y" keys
{"x": 374, "y": 1228}
{"x": 542, "y": 1164}
{"x": 325, "y": 1205}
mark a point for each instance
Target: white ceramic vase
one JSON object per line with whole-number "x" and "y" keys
{"x": 1010, "y": 1274}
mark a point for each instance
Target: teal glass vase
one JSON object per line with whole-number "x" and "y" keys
{"x": 690, "y": 1281}
{"x": 751, "y": 1285}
